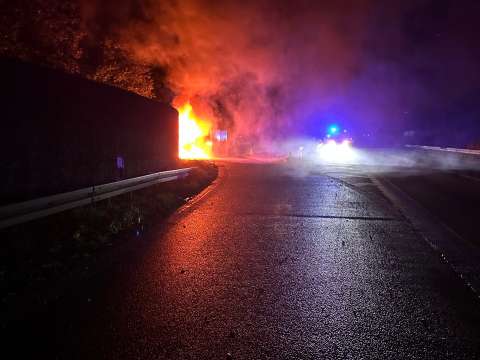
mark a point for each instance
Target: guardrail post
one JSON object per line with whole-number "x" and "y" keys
{"x": 34, "y": 209}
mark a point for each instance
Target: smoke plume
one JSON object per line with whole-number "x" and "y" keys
{"x": 264, "y": 69}
{"x": 256, "y": 67}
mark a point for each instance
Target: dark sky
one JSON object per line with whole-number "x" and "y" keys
{"x": 433, "y": 47}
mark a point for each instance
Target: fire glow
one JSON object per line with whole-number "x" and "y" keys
{"x": 194, "y": 135}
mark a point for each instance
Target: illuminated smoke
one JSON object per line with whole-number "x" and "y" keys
{"x": 255, "y": 67}
{"x": 399, "y": 70}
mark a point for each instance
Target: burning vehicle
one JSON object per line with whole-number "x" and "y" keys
{"x": 194, "y": 135}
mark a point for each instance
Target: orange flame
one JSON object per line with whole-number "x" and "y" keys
{"x": 194, "y": 135}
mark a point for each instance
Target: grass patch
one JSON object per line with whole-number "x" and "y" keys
{"x": 63, "y": 245}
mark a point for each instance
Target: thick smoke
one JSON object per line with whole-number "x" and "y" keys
{"x": 267, "y": 69}
{"x": 256, "y": 67}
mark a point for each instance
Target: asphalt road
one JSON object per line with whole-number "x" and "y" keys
{"x": 452, "y": 196}
{"x": 272, "y": 262}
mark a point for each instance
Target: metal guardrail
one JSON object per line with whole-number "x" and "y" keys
{"x": 34, "y": 209}
{"x": 448, "y": 149}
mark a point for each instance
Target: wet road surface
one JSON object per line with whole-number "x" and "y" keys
{"x": 452, "y": 196}
{"x": 271, "y": 263}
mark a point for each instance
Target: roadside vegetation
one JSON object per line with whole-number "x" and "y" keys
{"x": 67, "y": 245}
